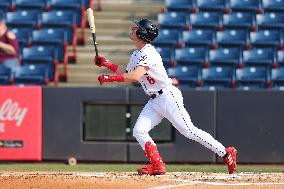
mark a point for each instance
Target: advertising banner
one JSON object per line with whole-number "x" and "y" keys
{"x": 20, "y": 123}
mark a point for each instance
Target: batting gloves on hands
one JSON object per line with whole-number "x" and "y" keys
{"x": 101, "y": 61}
{"x": 110, "y": 78}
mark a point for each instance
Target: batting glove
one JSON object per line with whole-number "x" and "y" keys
{"x": 101, "y": 61}
{"x": 110, "y": 78}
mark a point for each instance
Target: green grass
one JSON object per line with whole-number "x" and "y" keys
{"x": 132, "y": 167}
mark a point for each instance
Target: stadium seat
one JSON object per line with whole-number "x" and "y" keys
{"x": 266, "y": 38}
{"x": 168, "y": 38}
{"x": 273, "y": 5}
{"x": 6, "y": 5}
{"x": 259, "y": 57}
{"x": 77, "y": 7}
{"x": 2, "y": 14}
{"x": 239, "y": 20}
{"x": 23, "y": 36}
{"x": 246, "y": 5}
{"x": 212, "y": 5}
{"x": 5, "y": 75}
{"x": 167, "y": 55}
{"x": 31, "y": 74}
{"x": 225, "y": 57}
{"x": 270, "y": 20}
{"x": 39, "y": 5}
{"x": 23, "y": 18}
{"x": 187, "y": 6}
{"x": 56, "y": 38}
{"x": 199, "y": 37}
{"x": 280, "y": 58}
{"x": 233, "y": 38}
{"x": 188, "y": 76}
{"x": 42, "y": 55}
{"x": 197, "y": 56}
{"x": 65, "y": 20}
{"x": 277, "y": 77}
{"x": 207, "y": 20}
{"x": 217, "y": 77}
{"x": 173, "y": 20}
{"x": 251, "y": 77}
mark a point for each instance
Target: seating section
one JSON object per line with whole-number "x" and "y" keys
{"x": 45, "y": 29}
{"x": 5, "y": 75}
{"x": 229, "y": 43}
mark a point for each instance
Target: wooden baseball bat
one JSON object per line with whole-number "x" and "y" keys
{"x": 91, "y": 20}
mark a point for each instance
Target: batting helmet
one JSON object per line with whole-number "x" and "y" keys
{"x": 147, "y": 31}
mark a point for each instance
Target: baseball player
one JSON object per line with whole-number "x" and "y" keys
{"x": 166, "y": 101}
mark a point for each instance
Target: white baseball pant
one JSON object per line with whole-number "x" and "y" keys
{"x": 170, "y": 105}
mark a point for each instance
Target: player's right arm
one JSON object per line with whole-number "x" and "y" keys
{"x": 103, "y": 62}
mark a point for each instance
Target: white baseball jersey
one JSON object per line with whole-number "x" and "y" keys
{"x": 168, "y": 105}
{"x": 156, "y": 77}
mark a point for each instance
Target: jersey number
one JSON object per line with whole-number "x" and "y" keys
{"x": 151, "y": 80}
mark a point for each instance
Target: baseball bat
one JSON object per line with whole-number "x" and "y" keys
{"x": 91, "y": 20}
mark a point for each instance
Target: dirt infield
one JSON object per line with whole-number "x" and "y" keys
{"x": 127, "y": 180}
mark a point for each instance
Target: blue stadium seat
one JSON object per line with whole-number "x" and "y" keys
{"x": 239, "y": 20}
{"x": 225, "y": 57}
{"x": 266, "y": 38}
{"x": 6, "y": 5}
{"x": 199, "y": 37}
{"x": 61, "y": 19}
{"x": 42, "y": 55}
{"x": 233, "y": 38}
{"x": 211, "y": 5}
{"x": 180, "y": 5}
{"x": 173, "y": 20}
{"x": 207, "y": 20}
{"x": 277, "y": 77}
{"x": 273, "y": 5}
{"x": 30, "y": 4}
{"x": 251, "y": 77}
{"x": 197, "y": 56}
{"x": 270, "y": 20}
{"x": 56, "y": 38}
{"x": 23, "y": 18}
{"x": 217, "y": 77}
{"x": 168, "y": 38}
{"x": 167, "y": 55}
{"x": 31, "y": 74}
{"x": 245, "y": 5}
{"x": 259, "y": 57}
{"x": 2, "y": 14}
{"x": 5, "y": 75}
{"x": 77, "y": 7}
{"x": 23, "y": 36}
{"x": 188, "y": 76}
{"x": 280, "y": 58}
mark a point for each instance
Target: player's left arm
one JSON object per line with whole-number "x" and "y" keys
{"x": 125, "y": 77}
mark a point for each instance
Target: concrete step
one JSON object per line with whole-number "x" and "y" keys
{"x": 118, "y": 58}
{"x": 109, "y": 40}
{"x": 105, "y": 48}
{"x": 131, "y": 6}
{"x": 124, "y": 15}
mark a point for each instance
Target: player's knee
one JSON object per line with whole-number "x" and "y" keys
{"x": 137, "y": 133}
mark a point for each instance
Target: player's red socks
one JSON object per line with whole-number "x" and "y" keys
{"x": 231, "y": 159}
{"x": 156, "y": 166}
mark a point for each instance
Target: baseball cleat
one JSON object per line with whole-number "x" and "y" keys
{"x": 231, "y": 159}
{"x": 152, "y": 169}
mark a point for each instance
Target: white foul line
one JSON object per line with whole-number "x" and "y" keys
{"x": 192, "y": 182}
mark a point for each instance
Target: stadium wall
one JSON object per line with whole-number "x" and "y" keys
{"x": 95, "y": 124}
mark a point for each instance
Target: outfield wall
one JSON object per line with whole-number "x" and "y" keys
{"x": 95, "y": 124}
